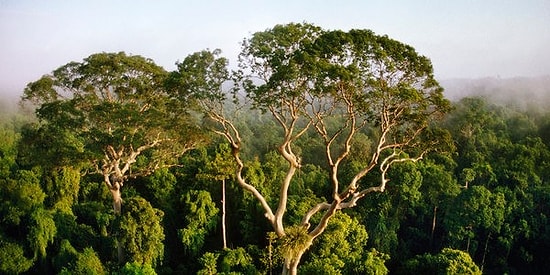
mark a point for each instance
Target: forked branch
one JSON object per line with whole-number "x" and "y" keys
{"x": 231, "y": 134}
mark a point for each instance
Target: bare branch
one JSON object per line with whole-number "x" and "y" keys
{"x": 231, "y": 134}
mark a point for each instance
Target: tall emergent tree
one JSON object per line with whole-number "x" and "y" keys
{"x": 120, "y": 119}
{"x": 339, "y": 86}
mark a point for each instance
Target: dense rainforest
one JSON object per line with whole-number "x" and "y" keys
{"x": 326, "y": 152}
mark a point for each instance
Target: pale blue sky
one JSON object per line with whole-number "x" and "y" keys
{"x": 463, "y": 38}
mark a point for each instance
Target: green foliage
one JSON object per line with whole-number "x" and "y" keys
{"x": 20, "y": 196}
{"x": 42, "y": 231}
{"x": 140, "y": 232}
{"x": 86, "y": 262}
{"x": 62, "y": 186}
{"x": 8, "y": 149}
{"x": 475, "y": 208}
{"x": 311, "y": 179}
{"x": 294, "y": 242}
{"x": 237, "y": 261}
{"x": 375, "y": 263}
{"x": 25, "y": 226}
{"x": 407, "y": 180}
{"x": 299, "y": 204}
{"x": 385, "y": 213}
{"x": 71, "y": 232}
{"x": 135, "y": 268}
{"x": 110, "y": 114}
{"x": 221, "y": 167}
{"x": 27, "y": 194}
{"x": 268, "y": 54}
{"x": 488, "y": 195}
{"x": 57, "y": 145}
{"x": 12, "y": 258}
{"x": 67, "y": 255}
{"x": 200, "y": 76}
{"x": 438, "y": 183}
{"x": 318, "y": 266}
{"x": 459, "y": 262}
{"x": 448, "y": 261}
{"x": 201, "y": 219}
{"x": 95, "y": 215}
{"x": 208, "y": 262}
{"x": 342, "y": 250}
{"x": 343, "y": 241}
{"x": 160, "y": 187}
{"x": 227, "y": 261}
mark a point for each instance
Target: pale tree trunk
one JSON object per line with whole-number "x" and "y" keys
{"x": 114, "y": 188}
{"x": 223, "y": 215}
{"x": 434, "y": 220}
{"x": 117, "y": 197}
{"x": 291, "y": 265}
{"x": 115, "y": 166}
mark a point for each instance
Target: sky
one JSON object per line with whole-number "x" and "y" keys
{"x": 463, "y": 39}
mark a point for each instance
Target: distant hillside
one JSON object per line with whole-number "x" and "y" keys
{"x": 523, "y": 92}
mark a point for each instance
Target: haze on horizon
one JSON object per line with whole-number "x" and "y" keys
{"x": 464, "y": 39}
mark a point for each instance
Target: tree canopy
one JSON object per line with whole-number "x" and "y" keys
{"x": 334, "y": 85}
{"x": 336, "y": 150}
{"x": 117, "y": 115}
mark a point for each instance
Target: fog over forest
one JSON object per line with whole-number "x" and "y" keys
{"x": 275, "y": 137}
{"x": 474, "y": 202}
{"x": 518, "y": 91}
{"x": 522, "y": 92}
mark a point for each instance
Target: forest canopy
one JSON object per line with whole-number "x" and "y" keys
{"x": 322, "y": 151}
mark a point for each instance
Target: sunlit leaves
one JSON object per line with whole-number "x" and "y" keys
{"x": 448, "y": 261}
{"x": 227, "y": 261}
{"x": 374, "y": 263}
{"x": 342, "y": 247}
{"x": 209, "y": 263}
{"x": 160, "y": 185}
{"x": 20, "y": 196}
{"x": 237, "y": 260}
{"x": 200, "y": 76}
{"x": 110, "y": 100}
{"x": 294, "y": 242}
{"x": 12, "y": 258}
{"x": 42, "y": 231}
{"x": 489, "y": 197}
{"x": 88, "y": 261}
{"x": 200, "y": 220}
{"x": 70, "y": 261}
{"x": 42, "y": 90}
{"x": 137, "y": 268}
{"x": 267, "y": 60}
{"x": 476, "y": 208}
{"x": 140, "y": 231}
{"x": 62, "y": 186}
{"x": 219, "y": 168}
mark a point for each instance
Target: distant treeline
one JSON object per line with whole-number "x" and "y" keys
{"x": 490, "y": 197}
{"x": 323, "y": 152}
